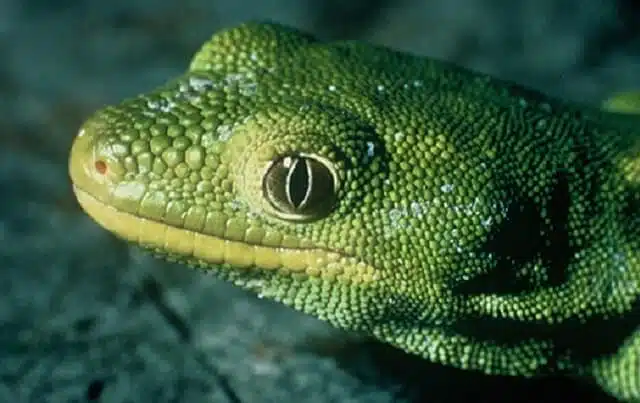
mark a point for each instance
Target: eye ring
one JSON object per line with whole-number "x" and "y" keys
{"x": 300, "y": 187}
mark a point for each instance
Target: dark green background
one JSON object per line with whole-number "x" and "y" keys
{"x": 84, "y": 317}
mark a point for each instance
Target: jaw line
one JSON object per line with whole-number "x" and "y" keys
{"x": 213, "y": 250}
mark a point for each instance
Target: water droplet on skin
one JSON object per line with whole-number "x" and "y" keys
{"x": 446, "y": 188}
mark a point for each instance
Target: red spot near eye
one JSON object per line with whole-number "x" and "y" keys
{"x": 101, "y": 167}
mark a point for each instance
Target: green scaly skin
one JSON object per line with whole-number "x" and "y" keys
{"x": 462, "y": 218}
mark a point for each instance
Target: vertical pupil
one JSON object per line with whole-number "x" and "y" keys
{"x": 298, "y": 182}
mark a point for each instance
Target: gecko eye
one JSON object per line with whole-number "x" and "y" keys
{"x": 300, "y": 188}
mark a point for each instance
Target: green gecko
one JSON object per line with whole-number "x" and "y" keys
{"x": 462, "y": 218}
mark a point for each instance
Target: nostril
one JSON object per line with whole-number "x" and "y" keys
{"x": 101, "y": 167}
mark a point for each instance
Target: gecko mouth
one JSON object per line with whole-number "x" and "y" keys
{"x": 217, "y": 251}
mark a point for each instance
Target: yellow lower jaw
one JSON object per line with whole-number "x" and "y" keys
{"x": 215, "y": 250}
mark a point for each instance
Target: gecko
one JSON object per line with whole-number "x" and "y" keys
{"x": 462, "y": 218}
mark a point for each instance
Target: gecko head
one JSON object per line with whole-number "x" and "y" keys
{"x": 266, "y": 197}
{"x": 275, "y": 163}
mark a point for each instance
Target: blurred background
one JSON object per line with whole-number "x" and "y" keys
{"x": 86, "y": 318}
